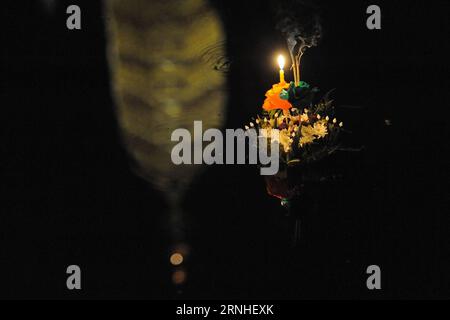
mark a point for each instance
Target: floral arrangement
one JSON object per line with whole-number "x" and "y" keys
{"x": 307, "y": 128}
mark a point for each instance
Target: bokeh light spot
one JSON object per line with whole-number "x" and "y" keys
{"x": 176, "y": 259}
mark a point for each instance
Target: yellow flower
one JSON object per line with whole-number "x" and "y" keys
{"x": 320, "y": 129}
{"x": 311, "y": 133}
{"x": 307, "y": 131}
{"x": 304, "y": 117}
{"x": 307, "y": 135}
{"x": 306, "y": 139}
{"x": 285, "y": 140}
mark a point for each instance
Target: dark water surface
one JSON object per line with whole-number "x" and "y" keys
{"x": 71, "y": 197}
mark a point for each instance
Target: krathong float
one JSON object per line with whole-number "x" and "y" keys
{"x": 307, "y": 131}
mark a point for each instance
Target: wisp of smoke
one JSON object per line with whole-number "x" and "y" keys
{"x": 299, "y": 22}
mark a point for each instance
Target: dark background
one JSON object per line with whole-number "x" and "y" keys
{"x": 70, "y": 197}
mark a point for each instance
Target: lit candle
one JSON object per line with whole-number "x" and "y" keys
{"x": 281, "y": 64}
{"x": 273, "y": 100}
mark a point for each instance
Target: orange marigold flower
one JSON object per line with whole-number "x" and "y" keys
{"x": 273, "y": 100}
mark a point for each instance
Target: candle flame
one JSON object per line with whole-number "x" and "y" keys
{"x": 281, "y": 61}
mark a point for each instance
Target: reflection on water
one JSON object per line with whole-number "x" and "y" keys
{"x": 164, "y": 57}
